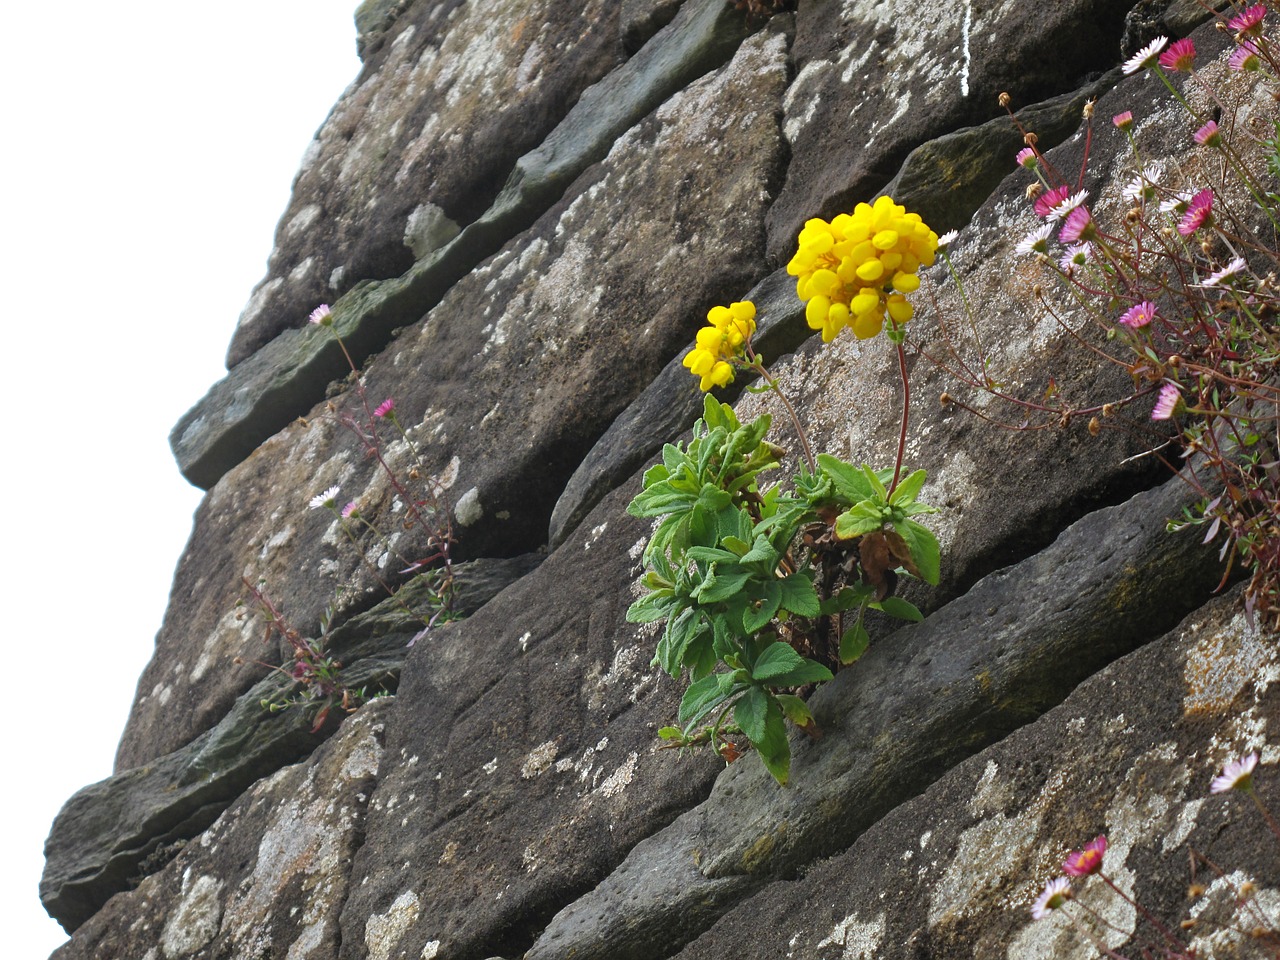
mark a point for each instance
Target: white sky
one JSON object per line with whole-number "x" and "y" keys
{"x": 148, "y": 151}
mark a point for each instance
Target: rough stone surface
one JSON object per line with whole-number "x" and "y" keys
{"x": 526, "y": 762}
{"x": 874, "y": 81}
{"x": 111, "y": 833}
{"x": 450, "y": 95}
{"x": 521, "y": 803}
{"x": 502, "y": 387}
{"x": 1130, "y": 754}
{"x": 282, "y": 381}
{"x": 267, "y": 879}
{"x": 922, "y": 700}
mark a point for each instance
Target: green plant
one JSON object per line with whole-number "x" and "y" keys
{"x": 763, "y": 593}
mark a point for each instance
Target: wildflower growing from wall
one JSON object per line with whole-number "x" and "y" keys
{"x": 1199, "y": 213}
{"x": 1236, "y": 775}
{"x": 1167, "y": 403}
{"x": 1146, "y": 57}
{"x": 1139, "y": 315}
{"x": 385, "y": 408}
{"x": 1208, "y": 135}
{"x": 1037, "y": 241}
{"x": 1026, "y": 157}
{"x": 1082, "y": 863}
{"x": 1079, "y": 226}
{"x": 1056, "y": 892}
{"x": 327, "y": 499}
{"x": 719, "y": 344}
{"x": 1047, "y": 201}
{"x": 1228, "y": 275}
{"x": 321, "y": 315}
{"x": 1076, "y": 256}
{"x": 1248, "y": 23}
{"x": 1180, "y": 56}
{"x": 1067, "y": 205}
{"x": 1123, "y": 121}
{"x": 1245, "y": 57}
{"x": 853, "y": 271}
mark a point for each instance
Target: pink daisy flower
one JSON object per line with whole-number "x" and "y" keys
{"x": 1026, "y": 157}
{"x": 1249, "y": 23}
{"x": 385, "y": 407}
{"x": 350, "y": 510}
{"x": 1166, "y": 406}
{"x": 1079, "y": 226}
{"x": 1236, "y": 775}
{"x": 1199, "y": 213}
{"x": 1056, "y": 892}
{"x": 1208, "y": 135}
{"x": 321, "y": 315}
{"x": 1180, "y": 56}
{"x": 1245, "y": 57}
{"x": 1146, "y": 57}
{"x": 1123, "y": 121}
{"x": 1081, "y": 863}
{"x": 1050, "y": 199}
{"x": 1139, "y": 315}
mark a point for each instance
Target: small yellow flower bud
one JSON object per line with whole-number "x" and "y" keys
{"x": 1195, "y": 890}
{"x": 1187, "y": 924}
{"x": 945, "y": 399}
{"x": 1088, "y": 110}
{"x": 1004, "y": 100}
{"x": 1030, "y": 138}
{"x": 1095, "y": 427}
{"x": 1108, "y": 409}
{"x": 1248, "y": 889}
{"x": 1175, "y": 361}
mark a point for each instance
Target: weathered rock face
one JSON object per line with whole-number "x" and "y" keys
{"x": 512, "y": 800}
{"x": 516, "y": 372}
{"x": 1130, "y": 755}
{"x": 450, "y": 95}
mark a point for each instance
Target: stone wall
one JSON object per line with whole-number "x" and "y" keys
{"x": 521, "y": 212}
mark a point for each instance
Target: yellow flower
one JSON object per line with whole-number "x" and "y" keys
{"x": 718, "y": 345}
{"x": 852, "y": 271}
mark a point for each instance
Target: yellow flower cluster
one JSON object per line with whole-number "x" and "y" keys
{"x": 720, "y": 343}
{"x": 856, "y": 268}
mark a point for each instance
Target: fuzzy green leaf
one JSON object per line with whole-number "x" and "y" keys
{"x": 854, "y": 643}
{"x": 908, "y": 488}
{"x": 902, "y": 609}
{"x": 798, "y": 595}
{"x": 751, "y": 713}
{"x": 924, "y": 549}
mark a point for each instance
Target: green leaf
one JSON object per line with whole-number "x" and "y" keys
{"x": 778, "y": 658}
{"x": 859, "y": 519}
{"x": 701, "y": 696}
{"x": 772, "y": 746}
{"x": 739, "y": 547}
{"x": 762, "y": 610}
{"x": 798, "y": 595}
{"x": 902, "y": 609}
{"x": 908, "y": 488}
{"x": 675, "y": 640}
{"x": 794, "y": 709}
{"x": 671, "y": 733}
{"x": 924, "y": 549}
{"x": 711, "y": 555}
{"x": 809, "y": 671}
{"x": 653, "y": 606}
{"x": 880, "y": 494}
{"x": 854, "y": 643}
{"x": 751, "y": 713}
{"x": 850, "y": 482}
{"x": 722, "y": 583}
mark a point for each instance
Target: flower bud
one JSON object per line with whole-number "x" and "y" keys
{"x": 1095, "y": 427}
{"x": 1004, "y": 100}
{"x": 1030, "y": 138}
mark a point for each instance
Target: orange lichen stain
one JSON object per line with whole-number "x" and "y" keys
{"x": 1220, "y": 665}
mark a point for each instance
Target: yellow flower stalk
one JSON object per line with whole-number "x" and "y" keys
{"x": 853, "y": 271}
{"x": 719, "y": 344}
